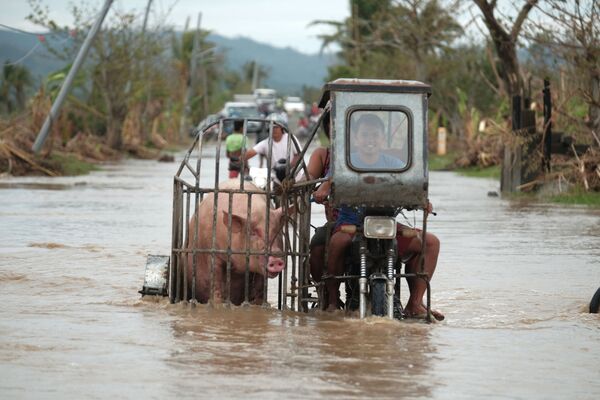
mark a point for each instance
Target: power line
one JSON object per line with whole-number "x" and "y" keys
{"x": 18, "y": 30}
{"x": 20, "y": 60}
{"x": 41, "y": 39}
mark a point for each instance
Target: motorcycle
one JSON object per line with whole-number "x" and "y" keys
{"x": 378, "y": 168}
{"x": 378, "y": 134}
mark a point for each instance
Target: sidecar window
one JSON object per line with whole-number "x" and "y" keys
{"x": 378, "y": 140}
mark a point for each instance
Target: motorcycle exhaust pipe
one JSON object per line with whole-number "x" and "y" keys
{"x": 390, "y": 283}
{"x": 362, "y": 305}
{"x": 362, "y": 281}
{"x": 390, "y": 298}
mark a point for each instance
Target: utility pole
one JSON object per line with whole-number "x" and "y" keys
{"x": 64, "y": 90}
{"x": 191, "y": 83}
{"x": 204, "y": 79}
{"x": 147, "y": 84}
{"x": 254, "y": 76}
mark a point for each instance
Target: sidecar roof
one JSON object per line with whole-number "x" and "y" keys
{"x": 372, "y": 85}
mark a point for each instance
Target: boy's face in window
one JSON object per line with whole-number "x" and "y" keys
{"x": 369, "y": 139}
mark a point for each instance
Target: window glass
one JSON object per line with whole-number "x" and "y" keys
{"x": 379, "y": 140}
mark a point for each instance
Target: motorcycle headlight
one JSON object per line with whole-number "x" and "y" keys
{"x": 380, "y": 227}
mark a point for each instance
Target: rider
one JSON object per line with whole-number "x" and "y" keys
{"x": 234, "y": 144}
{"x": 279, "y": 147}
{"x": 370, "y": 139}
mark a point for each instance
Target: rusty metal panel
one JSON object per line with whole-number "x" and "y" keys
{"x": 372, "y": 85}
{"x": 407, "y": 188}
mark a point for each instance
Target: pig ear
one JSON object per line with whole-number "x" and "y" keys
{"x": 237, "y": 223}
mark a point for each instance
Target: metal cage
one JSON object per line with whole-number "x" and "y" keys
{"x": 200, "y": 178}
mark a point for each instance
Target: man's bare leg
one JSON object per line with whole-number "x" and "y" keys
{"x": 338, "y": 245}
{"x": 316, "y": 261}
{"x": 417, "y": 286}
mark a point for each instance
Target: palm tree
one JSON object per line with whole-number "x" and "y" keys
{"x": 15, "y": 80}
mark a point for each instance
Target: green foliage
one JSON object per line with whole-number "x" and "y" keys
{"x": 477, "y": 172}
{"x": 416, "y": 40}
{"x": 441, "y": 163}
{"x": 70, "y": 165}
{"x": 15, "y": 80}
{"x": 578, "y": 196}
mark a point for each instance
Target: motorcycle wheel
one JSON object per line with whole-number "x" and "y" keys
{"x": 595, "y": 302}
{"x": 378, "y": 298}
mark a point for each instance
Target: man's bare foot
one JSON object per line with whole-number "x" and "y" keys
{"x": 420, "y": 312}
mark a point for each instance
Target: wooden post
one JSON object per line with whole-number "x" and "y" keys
{"x": 441, "y": 141}
{"x": 520, "y": 165}
{"x": 512, "y": 156}
{"x": 547, "y": 126}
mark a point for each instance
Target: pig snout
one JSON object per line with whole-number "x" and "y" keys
{"x": 275, "y": 266}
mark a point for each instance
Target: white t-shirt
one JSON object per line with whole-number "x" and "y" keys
{"x": 279, "y": 151}
{"x": 279, "y": 148}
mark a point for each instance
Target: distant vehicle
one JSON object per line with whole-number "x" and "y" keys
{"x": 265, "y": 98}
{"x": 239, "y": 109}
{"x": 206, "y": 122}
{"x": 294, "y": 104}
{"x": 248, "y": 98}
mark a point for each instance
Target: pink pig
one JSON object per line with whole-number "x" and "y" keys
{"x": 239, "y": 242}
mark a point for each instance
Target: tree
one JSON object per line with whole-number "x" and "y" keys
{"x": 15, "y": 80}
{"x": 249, "y": 69}
{"x": 351, "y": 35}
{"x": 207, "y": 81}
{"x": 115, "y": 82}
{"x": 570, "y": 30}
{"x": 420, "y": 29}
{"x": 505, "y": 42}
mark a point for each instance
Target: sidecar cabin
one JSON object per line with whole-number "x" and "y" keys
{"x": 379, "y": 142}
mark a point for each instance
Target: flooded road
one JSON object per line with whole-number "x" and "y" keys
{"x": 514, "y": 281}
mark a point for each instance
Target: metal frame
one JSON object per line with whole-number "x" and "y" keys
{"x": 191, "y": 185}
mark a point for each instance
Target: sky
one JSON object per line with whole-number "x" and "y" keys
{"x": 281, "y": 23}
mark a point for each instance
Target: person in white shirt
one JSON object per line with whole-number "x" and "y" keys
{"x": 279, "y": 148}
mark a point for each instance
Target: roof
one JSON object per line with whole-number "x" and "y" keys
{"x": 239, "y": 104}
{"x": 372, "y": 85}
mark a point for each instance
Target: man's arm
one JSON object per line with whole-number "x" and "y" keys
{"x": 315, "y": 164}
{"x": 249, "y": 154}
{"x": 320, "y": 195}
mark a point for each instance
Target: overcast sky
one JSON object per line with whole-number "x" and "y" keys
{"x": 280, "y": 23}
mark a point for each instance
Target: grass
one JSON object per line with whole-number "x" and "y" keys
{"x": 68, "y": 164}
{"x": 441, "y": 163}
{"x": 577, "y": 196}
{"x": 446, "y": 163}
{"x": 477, "y": 172}
{"x": 574, "y": 196}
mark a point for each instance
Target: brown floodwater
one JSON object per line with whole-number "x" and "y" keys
{"x": 514, "y": 280}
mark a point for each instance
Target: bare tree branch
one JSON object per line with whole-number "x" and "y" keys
{"x": 514, "y": 33}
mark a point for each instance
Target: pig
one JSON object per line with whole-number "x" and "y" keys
{"x": 239, "y": 242}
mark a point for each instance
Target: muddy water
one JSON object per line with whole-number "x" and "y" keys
{"x": 513, "y": 279}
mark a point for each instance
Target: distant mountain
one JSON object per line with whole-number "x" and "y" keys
{"x": 14, "y": 46}
{"x": 288, "y": 68}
